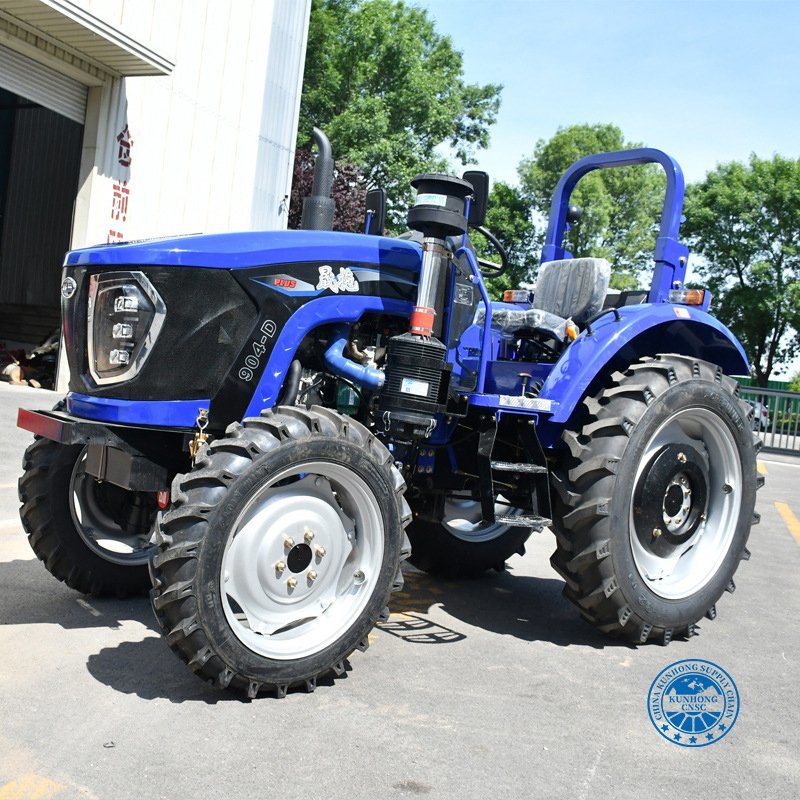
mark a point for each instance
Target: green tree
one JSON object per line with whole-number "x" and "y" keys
{"x": 509, "y": 218}
{"x": 621, "y": 207}
{"x": 387, "y": 88}
{"x": 745, "y": 220}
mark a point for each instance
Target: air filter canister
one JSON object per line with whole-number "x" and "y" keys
{"x": 417, "y": 379}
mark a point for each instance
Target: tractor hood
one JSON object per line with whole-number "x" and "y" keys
{"x": 252, "y": 249}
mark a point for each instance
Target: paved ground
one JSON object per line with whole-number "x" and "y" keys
{"x": 492, "y": 688}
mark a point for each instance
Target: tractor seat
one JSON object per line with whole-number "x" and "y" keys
{"x": 571, "y": 289}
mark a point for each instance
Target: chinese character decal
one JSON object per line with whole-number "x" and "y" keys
{"x": 125, "y": 144}
{"x": 345, "y": 281}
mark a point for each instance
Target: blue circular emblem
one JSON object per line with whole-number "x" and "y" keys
{"x": 693, "y": 703}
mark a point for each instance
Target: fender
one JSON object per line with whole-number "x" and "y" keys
{"x": 642, "y": 330}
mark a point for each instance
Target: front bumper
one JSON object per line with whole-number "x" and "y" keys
{"x": 132, "y": 457}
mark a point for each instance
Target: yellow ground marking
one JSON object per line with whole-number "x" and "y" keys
{"x": 780, "y": 463}
{"x": 791, "y": 521}
{"x": 30, "y": 787}
{"x": 761, "y": 467}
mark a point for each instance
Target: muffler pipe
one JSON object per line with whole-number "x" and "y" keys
{"x": 319, "y": 207}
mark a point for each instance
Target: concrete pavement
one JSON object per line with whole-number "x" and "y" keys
{"x": 488, "y": 688}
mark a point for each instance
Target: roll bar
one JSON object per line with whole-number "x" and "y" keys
{"x": 670, "y": 255}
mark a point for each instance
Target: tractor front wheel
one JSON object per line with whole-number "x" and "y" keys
{"x": 280, "y": 550}
{"x": 657, "y": 490}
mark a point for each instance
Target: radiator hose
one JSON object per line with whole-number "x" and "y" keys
{"x": 338, "y": 364}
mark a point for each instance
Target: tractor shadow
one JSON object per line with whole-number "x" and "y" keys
{"x": 429, "y": 610}
{"x": 528, "y": 608}
{"x": 32, "y": 596}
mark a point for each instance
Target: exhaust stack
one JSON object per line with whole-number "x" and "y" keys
{"x": 319, "y": 207}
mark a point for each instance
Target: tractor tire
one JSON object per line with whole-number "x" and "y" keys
{"x": 239, "y": 593}
{"x": 656, "y": 495}
{"x": 80, "y": 528}
{"x": 459, "y": 546}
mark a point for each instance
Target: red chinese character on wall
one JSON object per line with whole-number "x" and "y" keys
{"x": 114, "y": 236}
{"x": 125, "y": 144}
{"x": 119, "y": 201}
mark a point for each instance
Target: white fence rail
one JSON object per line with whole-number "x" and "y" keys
{"x": 776, "y": 418}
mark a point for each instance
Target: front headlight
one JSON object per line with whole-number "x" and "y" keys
{"x": 124, "y": 317}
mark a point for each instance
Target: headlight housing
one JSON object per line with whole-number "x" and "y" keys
{"x": 124, "y": 317}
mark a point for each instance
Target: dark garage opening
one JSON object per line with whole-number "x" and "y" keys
{"x": 40, "y": 154}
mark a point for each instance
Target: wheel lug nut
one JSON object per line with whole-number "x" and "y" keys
{"x": 291, "y": 583}
{"x": 312, "y": 576}
{"x": 308, "y": 535}
{"x": 682, "y": 458}
{"x": 656, "y": 533}
{"x": 280, "y": 566}
{"x": 288, "y": 542}
{"x": 320, "y": 551}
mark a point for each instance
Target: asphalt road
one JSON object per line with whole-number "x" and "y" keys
{"x": 486, "y": 689}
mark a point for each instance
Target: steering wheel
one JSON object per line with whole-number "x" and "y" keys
{"x": 492, "y": 269}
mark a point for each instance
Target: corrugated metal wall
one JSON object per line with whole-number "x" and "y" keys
{"x": 279, "y": 117}
{"x": 43, "y": 85}
{"x": 36, "y": 225}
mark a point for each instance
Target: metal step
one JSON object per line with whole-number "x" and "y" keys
{"x": 522, "y": 521}
{"x": 508, "y": 466}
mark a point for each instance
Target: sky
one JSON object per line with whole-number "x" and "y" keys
{"x": 707, "y": 81}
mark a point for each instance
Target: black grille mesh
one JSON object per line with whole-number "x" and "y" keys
{"x": 208, "y": 318}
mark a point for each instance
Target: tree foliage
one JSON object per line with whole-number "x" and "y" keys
{"x": 349, "y": 192}
{"x": 621, "y": 207}
{"x": 745, "y": 220}
{"x": 387, "y": 88}
{"x": 509, "y": 218}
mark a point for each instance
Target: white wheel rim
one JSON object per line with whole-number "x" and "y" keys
{"x": 319, "y": 525}
{"x": 463, "y": 518}
{"x": 692, "y": 565}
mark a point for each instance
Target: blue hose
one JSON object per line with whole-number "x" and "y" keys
{"x": 345, "y": 368}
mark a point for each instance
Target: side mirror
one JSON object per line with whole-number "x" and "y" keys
{"x": 480, "y": 189}
{"x": 574, "y": 214}
{"x": 375, "y": 217}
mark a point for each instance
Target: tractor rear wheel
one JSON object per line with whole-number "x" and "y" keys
{"x": 461, "y": 545}
{"x": 657, "y": 490}
{"x": 280, "y": 550}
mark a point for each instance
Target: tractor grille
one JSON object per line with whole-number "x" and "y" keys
{"x": 207, "y": 316}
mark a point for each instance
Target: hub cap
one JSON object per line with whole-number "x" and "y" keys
{"x": 302, "y": 560}
{"x": 686, "y": 501}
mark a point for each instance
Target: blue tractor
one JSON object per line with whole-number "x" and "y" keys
{"x": 261, "y": 426}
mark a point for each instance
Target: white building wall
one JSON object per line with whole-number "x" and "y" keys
{"x": 212, "y": 145}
